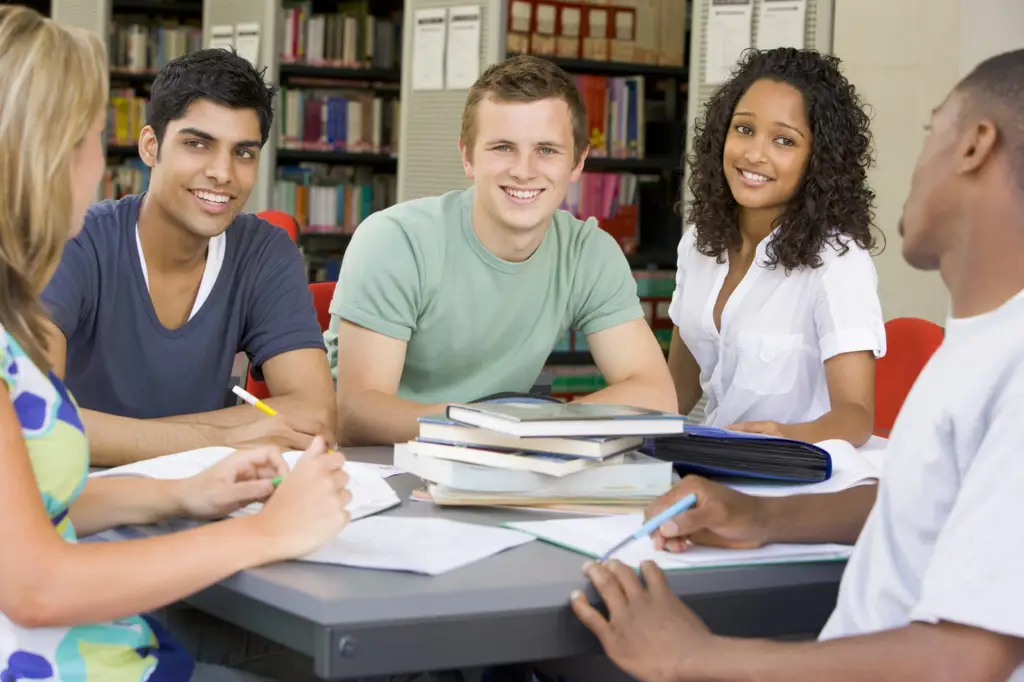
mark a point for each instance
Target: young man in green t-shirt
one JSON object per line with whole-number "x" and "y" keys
{"x": 460, "y": 296}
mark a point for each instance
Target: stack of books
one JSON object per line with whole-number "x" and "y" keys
{"x": 542, "y": 454}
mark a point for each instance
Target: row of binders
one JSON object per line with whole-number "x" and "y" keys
{"x": 586, "y": 458}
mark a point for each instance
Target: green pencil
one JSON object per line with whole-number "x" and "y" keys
{"x": 277, "y": 481}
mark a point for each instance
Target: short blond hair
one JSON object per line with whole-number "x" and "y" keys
{"x": 526, "y": 79}
{"x": 53, "y": 87}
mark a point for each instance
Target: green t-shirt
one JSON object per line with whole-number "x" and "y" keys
{"x": 475, "y": 324}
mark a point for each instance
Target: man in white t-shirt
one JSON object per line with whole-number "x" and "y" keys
{"x": 935, "y": 587}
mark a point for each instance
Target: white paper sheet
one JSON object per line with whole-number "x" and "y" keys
{"x": 728, "y": 34}
{"x": 418, "y": 545}
{"x": 781, "y": 23}
{"x": 370, "y": 492}
{"x": 595, "y": 536}
{"x": 429, "y": 35}
{"x": 462, "y": 54}
{"x": 850, "y": 467}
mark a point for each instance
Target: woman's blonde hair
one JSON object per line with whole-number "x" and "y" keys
{"x": 53, "y": 86}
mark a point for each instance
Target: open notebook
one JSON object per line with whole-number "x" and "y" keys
{"x": 595, "y": 536}
{"x": 427, "y": 546}
{"x": 370, "y": 492}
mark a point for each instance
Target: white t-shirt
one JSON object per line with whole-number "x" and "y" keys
{"x": 214, "y": 261}
{"x": 778, "y": 328}
{"x": 944, "y": 540}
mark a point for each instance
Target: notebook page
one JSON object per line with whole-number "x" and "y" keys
{"x": 419, "y": 545}
{"x": 595, "y": 536}
{"x": 370, "y": 492}
{"x": 176, "y": 466}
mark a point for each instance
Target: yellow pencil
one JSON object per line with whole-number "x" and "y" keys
{"x": 262, "y": 407}
{"x": 254, "y": 401}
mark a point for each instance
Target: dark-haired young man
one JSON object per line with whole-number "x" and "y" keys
{"x": 460, "y": 296}
{"x": 159, "y": 292}
{"x": 934, "y": 589}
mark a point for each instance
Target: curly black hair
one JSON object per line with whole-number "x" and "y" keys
{"x": 833, "y": 200}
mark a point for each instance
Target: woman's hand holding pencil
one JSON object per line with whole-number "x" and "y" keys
{"x": 309, "y": 506}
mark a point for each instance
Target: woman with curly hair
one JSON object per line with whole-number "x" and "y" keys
{"x": 776, "y": 306}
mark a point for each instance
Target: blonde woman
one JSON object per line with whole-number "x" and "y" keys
{"x": 68, "y": 610}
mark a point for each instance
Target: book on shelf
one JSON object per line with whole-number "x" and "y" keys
{"x": 128, "y": 177}
{"x": 126, "y": 116}
{"x": 649, "y": 32}
{"x": 145, "y": 45}
{"x": 611, "y": 198}
{"x": 337, "y": 119}
{"x": 332, "y": 199}
{"x": 351, "y": 37}
{"x": 616, "y": 115}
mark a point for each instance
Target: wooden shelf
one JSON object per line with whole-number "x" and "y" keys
{"x": 122, "y": 150}
{"x": 289, "y": 70}
{"x": 654, "y": 165}
{"x": 618, "y": 68}
{"x": 657, "y": 259}
{"x": 320, "y": 244}
{"x": 134, "y": 77}
{"x": 381, "y": 161}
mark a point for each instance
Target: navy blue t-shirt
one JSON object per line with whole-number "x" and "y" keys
{"x": 121, "y": 360}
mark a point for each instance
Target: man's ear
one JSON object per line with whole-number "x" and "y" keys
{"x": 577, "y": 171}
{"x": 467, "y": 159}
{"x": 149, "y": 148}
{"x": 978, "y": 146}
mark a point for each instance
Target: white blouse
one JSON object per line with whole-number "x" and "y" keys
{"x": 777, "y": 330}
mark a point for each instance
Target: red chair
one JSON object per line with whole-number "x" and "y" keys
{"x": 910, "y": 342}
{"x": 282, "y": 220}
{"x": 322, "y": 292}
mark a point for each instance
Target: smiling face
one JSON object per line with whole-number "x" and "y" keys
{"x": 768, "y": 145}
{"x": 521, "y": 162}
{"x": 206, "y": 166}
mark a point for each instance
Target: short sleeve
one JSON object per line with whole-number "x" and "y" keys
{"x": 847, "y": 312}
{"x": 604, "y": 289}
{"x": 686, "y": 246}
{"x": 70, "y": 295}
{"x": 281, "y": 316}
{"x": 974, "y": 574}
{"x": 380, "y": 283}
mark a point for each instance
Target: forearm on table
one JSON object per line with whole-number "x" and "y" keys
{"x": 636, "y": 392}
{"x": 916, "y": 653}
{"x": 374, "y": 418}
{"x": 850, "y": 422}
{"x": 149, "y": 573}
{"x": 132, "y": 500}
{"x": 240, "y": 415}
{"x": 827, "y": 517}
{"x": 114, "y": 440}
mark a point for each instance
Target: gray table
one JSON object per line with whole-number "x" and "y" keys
{"x": 509, "y": 608}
